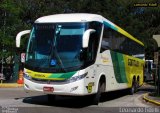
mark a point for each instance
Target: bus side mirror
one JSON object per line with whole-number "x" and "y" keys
{"x": 19, "y": 35}
{"x": 86, "y": 36}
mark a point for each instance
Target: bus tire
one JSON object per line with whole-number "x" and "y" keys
{"x": 96, "y": 97}
{"x": 133, "y": 89}
{"x": 51, "y": 98}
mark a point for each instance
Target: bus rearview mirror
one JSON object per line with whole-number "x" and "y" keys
{"x": 19, "y": 35}
{"x": 86, "y": 36}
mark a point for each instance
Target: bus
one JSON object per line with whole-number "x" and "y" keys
{"x": 81, "y": 54}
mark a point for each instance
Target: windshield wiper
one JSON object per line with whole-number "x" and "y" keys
{"x": 58, "y": 59}
{"x": 54, "y": 49}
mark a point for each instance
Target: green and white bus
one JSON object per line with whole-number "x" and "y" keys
{"x": 81, "y": 54}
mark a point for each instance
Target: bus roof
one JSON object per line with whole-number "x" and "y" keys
{"x": 84, "y": 17}
{"x": 73, "y": 17}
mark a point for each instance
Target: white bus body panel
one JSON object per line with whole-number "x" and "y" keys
{"x": 61, "y": 89}
{"x": 105, "y": 67}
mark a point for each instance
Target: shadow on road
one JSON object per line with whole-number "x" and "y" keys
{"x": 60, "y": 101}
{"x": 84, "y": 101}
{"x": 113, "y": 95}
{"x": 72, "y": 102}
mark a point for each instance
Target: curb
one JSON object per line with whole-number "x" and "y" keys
{"x": 150, "y": 100}
{"x": 10, "y": 85}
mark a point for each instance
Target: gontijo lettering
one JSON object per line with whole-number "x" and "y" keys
{"x": 39, "y": 75}
{"x": 132, "y": 62}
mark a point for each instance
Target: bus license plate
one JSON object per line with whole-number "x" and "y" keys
{"x": 48, "y": 89}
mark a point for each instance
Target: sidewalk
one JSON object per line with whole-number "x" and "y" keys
{"x": 155, "y": 100}
{"x": 10, "y": 85}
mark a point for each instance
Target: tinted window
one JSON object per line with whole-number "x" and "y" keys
{"x": 93, "y": 42}
{"x": 115, "y": 41}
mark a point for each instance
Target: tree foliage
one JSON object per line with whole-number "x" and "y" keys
{"x": 18, "y": 15}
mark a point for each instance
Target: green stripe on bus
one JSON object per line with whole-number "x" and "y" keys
{"x": 119, "y": 67}
{"x": 62, "y": 75}
{"x": 122, "y": 68}
{"x": 116, "y": 66}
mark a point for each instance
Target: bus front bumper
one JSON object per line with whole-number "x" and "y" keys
{"x": 76, "y": 88}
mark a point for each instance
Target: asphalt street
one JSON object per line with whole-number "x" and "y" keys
{"x": 17, "y": 101}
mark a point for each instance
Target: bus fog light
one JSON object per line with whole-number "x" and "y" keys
{"x": 26, "y": 86}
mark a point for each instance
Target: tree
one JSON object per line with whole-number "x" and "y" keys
{"x": 9, "y": 27}
{"x": 18, "y": 15}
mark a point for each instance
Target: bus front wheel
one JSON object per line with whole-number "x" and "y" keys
{"x": 98, "y": 95}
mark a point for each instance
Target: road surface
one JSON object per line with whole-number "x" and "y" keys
{"x": 17, "y": 101}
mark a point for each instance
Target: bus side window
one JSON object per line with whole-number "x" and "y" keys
{"x": 94, "y": 41}
{"x": 90, "y": 51}
{"x": 106, "y": 39}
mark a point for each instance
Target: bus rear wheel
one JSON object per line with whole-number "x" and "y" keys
{"x": 133, "y": 89}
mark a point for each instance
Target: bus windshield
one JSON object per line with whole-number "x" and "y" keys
{"x": 55, "y": 47}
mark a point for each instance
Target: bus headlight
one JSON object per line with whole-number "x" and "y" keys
{"x": 79, "y": 77}
{"x": 27, "y": 76}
